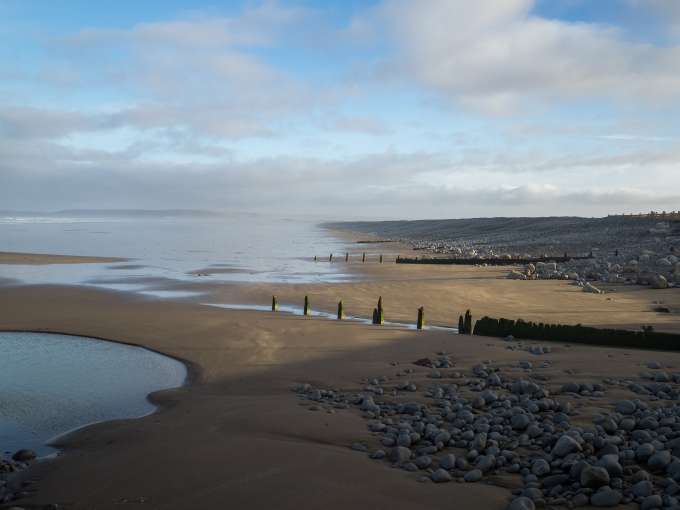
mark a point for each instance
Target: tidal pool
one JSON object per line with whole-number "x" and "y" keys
{"x": 51, "y": 384}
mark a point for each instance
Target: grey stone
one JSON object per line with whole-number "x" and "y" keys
{"x": 473, "y": 476}
{"x": 606, "y": 498}
{"x": 643, "y": 488}
{"x": 594, "y": 477}
{"x": 540, "y": 467}
{"x": 423, "y": 461}
{"x": 521, "y": 503}
{"x": 625, "y": 407}
{"x": 400, "y": 454}
{"x": 378, "y": 454}
{"x": 580, "y": 500}
{"x": 659, "y": 460}
{"x": 448, "y": 461}
{"x": 651, "y": 502}
{"x": 520, "y": 421}
{"x": 441, "y": 476}
{"x": 611, "y": 464}
{"x": 565, "y": 445}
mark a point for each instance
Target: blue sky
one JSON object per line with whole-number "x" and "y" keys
{"x": 386, "y": 108}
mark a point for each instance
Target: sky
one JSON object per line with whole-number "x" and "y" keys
{"x": 342, "y": 108}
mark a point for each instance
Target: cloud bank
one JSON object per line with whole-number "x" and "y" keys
{"x": 439, "y": 108}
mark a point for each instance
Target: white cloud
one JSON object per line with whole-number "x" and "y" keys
{"x": 498, "y": 57}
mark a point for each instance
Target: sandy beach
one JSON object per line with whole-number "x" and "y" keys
{"x": 45, "y": 259}
{"x": 237, "y": 436}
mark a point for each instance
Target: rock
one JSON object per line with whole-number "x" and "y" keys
{"x": 651, "y": 502}
{"x": 24, "y": 455}
{"x": 643, "y": 489}
{"x": 606, "y": 497}
{"x": 644, "y": 451}
{"x": 611, "y": 464}
{"x": 521, "y": 503}
{"x": 448, "y": 461}
{"x": 520, "y": 421}
{"x": 565, "y": 445}
{"x": 485, "y": 462}
{"x": 378, "y": 454}
{"x": 594, "y": 477}
{"x": 473, "y": 476}
{"x": 658, "y": 281}
{"x": 441, "y": 476}
{"x": 659, "y": 460}
{"x": 540, "y": 467}
{"x": 625, "y": 407}
{"x": 400, "y": 454}
{"x": 580, "y": 500}
{"x": 360, "y": 447}
{"x": 423, "y": 461}
{"x": 570, "y": 388}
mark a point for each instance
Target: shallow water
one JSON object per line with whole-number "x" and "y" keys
{"x": 52, "y": 384}
{"x": 239, "y": 249}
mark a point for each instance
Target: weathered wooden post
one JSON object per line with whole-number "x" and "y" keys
{"x": 314, "y": 258}
{"x": 330, "y": 258}
{"x": 305, "y": 310}
{"x": 275, "y": 304}
{"x": 341, "y": 311}
{"x": 346, "y": 257}
{"x": 381, "y": 258}
{"x": 468, "y": 323}
{"x": 461, "y": 325}
{"x": 375, "y": 316}
{"x": 363, "y": 257}
{"x": 421, "y": 318}
{"x": 381, "y": 312}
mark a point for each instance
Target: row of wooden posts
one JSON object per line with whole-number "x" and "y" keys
{"x": 363, "y": 257}
{"x": 464, "y": 323}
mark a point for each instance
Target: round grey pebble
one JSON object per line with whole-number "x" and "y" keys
{"x": 521, "y": 503}
{"x": 606, "y": 497}
{"x": 441, "y": 476}
{"x": 473, "y": 476}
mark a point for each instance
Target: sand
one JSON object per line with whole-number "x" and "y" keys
{"x": 237, "y": 437}
{"x": 44, "y": 259}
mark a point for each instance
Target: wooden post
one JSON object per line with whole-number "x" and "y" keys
{"x": 346, "y": 257}
{"x": 461, "y": 325}
{"x": 306, "y": 308}
{"x": 421, "y": 318}
{"x": 375, "y": 316}
{"x": 341, "y": 312}
{"x": 381, "y": 312}
{"x": 381, "y": 258}
{"x": 314, "y": 258}
{"x": 363, "y": 257}
{"x": 330, "y": 258}
{"x": 275, "y": 304}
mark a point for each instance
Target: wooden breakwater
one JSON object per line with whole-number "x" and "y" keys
{"x": 487, "y": 261}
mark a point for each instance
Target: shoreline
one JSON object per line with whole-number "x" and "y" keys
{"x": 242, "y": 364}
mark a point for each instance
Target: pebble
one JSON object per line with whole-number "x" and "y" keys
{"x": 441, "y": 476}
{"x": 606, "y": 497}
{"x": 474, "y": 475}
{"x": 521, "y": 503}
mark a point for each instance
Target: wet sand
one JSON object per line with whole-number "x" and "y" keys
{"x": 45, "y": 259}
{"x": 237, "y": 437}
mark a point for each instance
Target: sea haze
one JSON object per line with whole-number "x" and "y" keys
{"x": 169, "y": 245}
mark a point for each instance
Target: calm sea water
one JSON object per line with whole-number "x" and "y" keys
{"x": 52, "y": 384}
{"x": 243, "y": 248}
